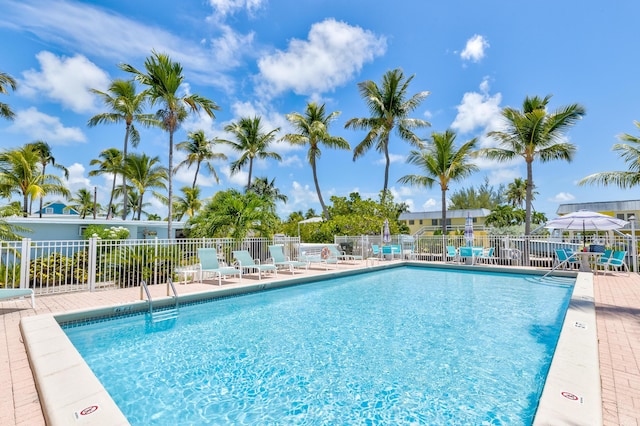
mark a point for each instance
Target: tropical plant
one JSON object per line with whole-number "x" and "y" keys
{"x": 516, "y": 193}
{"x": 441, "y": 163}
{"x": 199, "y": 150}
{"x": 234, "y": 215}
{"x": 267, "y": 190}
{"x": 6, "y": 81}
{"x": 389, "y": 109}
{"x": 9, "y": 231}
{"x": 534, "y": 133}
{"x": 145, "y": 173}
{"x": 189, "y": 204}
{"x": 84, "y": 203}
{"x": 21, "y": 173}
{"x": 105, "y": 232}
{"x": 46, "y": 157}
{"x": 110, "y": 162}
{"x": 629, "y": 152}
{"x": 251, "y": 142}
{"x": 312, "y": 128}
{"x": 484, "y": 197}
{"x": 126, "y": 106}
{"x": 163, "y": 77}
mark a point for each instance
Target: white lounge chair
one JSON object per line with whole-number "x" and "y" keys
{"x": 12, "y": 293}
{"x": 209, "y": 264}
{"x": 246, "y": 262}
{"x": 281, "y": 261}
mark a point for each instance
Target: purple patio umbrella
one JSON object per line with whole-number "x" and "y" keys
{"x": 386, "y": 234}
{"x": 468, "y": 230}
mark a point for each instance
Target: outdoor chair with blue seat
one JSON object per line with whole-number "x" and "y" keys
{"x": 617, "y": 261}
{"x": 565, "y": 260}
{"x": 603, "y": 260}
{"x": 12, "y": 293}
{"x": 469, "y": 253}
{"x": 246, "y": 262}
{"x": 281, "y": 261}
{"x": 452, "y": 254}
{"x": 341, "y": 255}
{"x": 209, "y": 264}
{"x": 486, "y": 255}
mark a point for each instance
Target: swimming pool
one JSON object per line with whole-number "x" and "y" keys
{"x": 397, "y": 346}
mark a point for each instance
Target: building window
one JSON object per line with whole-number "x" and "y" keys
{"x": 434, "y": 222}
{"x": 48, "y": 210}
{"x": 621, "y": 216}
{"x": 420, "y": 221}
{"x": 411, "y": 221}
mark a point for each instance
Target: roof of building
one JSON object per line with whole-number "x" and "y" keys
{"x": 451, "y": 214}
{"x": 600, "y": 206}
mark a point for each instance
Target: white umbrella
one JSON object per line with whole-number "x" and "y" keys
{"x": 468, "y": 230}
{"x": 386, "y": 234}
{"x": 584, "y": 220}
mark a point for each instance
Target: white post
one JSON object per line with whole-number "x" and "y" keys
{"x": 634, "y": 258}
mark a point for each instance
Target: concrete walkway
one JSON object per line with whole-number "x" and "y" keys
{"x": 618, "y": 317}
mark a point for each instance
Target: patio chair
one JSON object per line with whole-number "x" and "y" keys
{"x": 468, "y": 254}
{"x": 282, "y": 261}
{"x": 342, "y": 255}
{"x": 603, "y": 260}
{"x": 487, "y": 256}
{"x": 568, "y": 261}
{"x": 246, "y": 262}
{"x": 452, "y": 254}
{"x": 209, "y": 264}
{"x": 617, "y": 261}
{"x": 12, "y": 293}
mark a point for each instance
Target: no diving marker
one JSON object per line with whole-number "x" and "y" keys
{"x": 572, "y": 397}
{"x": 85, "y": 412}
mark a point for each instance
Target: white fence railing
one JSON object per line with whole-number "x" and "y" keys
{"x": 65, "y": 266}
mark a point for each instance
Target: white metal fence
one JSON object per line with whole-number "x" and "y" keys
{"x": 64, "y": 266}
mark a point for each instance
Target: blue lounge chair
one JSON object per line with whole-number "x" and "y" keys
{"x": 281, "y": 261}
{"x": 566, "y": 261}
{"x": 603, "y": 260}
{"x": 246, "y": 262}
{"x": 452, "y": 254}
{"x": 12, "y": 293}
{"x": 209, "y": 265}
{"x": 486, "y": 255}
{"x": 617, "y": 261}
{"x": 468, "y": 254}
{"x": 341, "y": 255}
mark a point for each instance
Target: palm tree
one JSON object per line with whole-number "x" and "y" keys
{"x": 389, "y": 108}
{"x": 251, "y": 142}
{"x": 126, "y": 106}
{"x": 46, "y": 157}
{"x": 442, "y": 163}
{"x": 110, "y": 163}
{"x": 6, "y": 81}
{"x": 630, "y": 154}
{"x": 268, "y": 190}
{"x": 533, "y": 133}
{"x": 145, "y": 173}
{"x": 20, "y": 172}
{"x": 199, "y": 150}
{"x": 516, "y": 193}
{"x": 313, "y": 129}
{"x": 83, "y": 203}
{"x": 163, "y": 78}
{"x": 189, "y": 204}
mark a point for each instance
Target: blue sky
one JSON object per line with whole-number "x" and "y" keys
{"x": 271, "y": 57}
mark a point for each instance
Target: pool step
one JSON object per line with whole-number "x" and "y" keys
{"x": 167, "y": 314}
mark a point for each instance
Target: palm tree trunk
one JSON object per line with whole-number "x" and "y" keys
{"x": 444, "y": 211}
{"x": 195, "y": 177}
{"x": 386, "y": 170}
{"x": 124, "y": 175}
{"x": 44, "y": 166}
{"x": 113, "y": 189}
{"x": 250, "y": 172}
{"x": 170, "y": 203}
{"x": 325, "y": 212}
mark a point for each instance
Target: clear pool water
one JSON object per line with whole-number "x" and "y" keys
{"x": 403, "y": 346}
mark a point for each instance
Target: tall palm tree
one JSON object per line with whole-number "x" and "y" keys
{"x": 126, "y": 106}
{"x": 389, "y": 109}
{"x": 163, "y": 77}
{"x": 110, "y": 162}
{"x": 189, "y": 204}
{"x": 442, "y": 163}
{"x": 46, "y": 157}
{"x": 251, "y": 142}
{"x": 533, "y": 133}
{"x": 145, "y": 173}
{"x": 630, "y": 154}
{"x": 21, "y": 173}
{"x": 312, "y": 129}
{"x": 6, "y": 81}
{"x": 516, "y": 192}
{"x": 199, "y": 150}
{"x": 83, "y": 203}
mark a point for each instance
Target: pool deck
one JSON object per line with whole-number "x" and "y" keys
{"x": 617, "y": 316}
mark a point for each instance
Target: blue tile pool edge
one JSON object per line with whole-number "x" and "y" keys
{"x": 572, "y": 392}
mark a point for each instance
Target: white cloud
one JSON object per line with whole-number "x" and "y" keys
{"x": 478, "y": 111}
{"x": 393, "y": 158}
{"x": 228, "y": 45}
{"x": 562, "y": 197}
{"x": 503, "y": 175}
{"x": 38, "y": 125}
{"x": 239, "y": 178}
{"x": 333, "y": 53}
{"x": 65, "y": 80}
{"x": 475, "y": 48}
{"x": 429, "y": 204}
{"x": 77, "y": 179}
{"x": 228, "y": 7}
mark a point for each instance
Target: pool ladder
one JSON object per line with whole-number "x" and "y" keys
{"x": 164, "y": 314}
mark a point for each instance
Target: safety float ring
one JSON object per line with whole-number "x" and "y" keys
{"x": 325, "y": 253}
